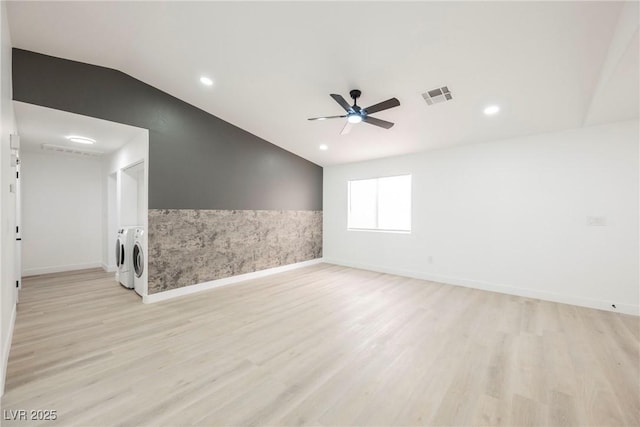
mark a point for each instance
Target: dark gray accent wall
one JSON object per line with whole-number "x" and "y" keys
{"x": 196, "y": 160}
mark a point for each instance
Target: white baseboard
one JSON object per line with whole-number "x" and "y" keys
{"x": 6, "y": 348}
{"x": 503, "y": 289}
{"x": 108, "y": 268}
{"x": 187, "y": 290}
{"x": 59, "y": 268}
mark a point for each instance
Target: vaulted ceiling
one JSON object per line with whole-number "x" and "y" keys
{"x": 548, "y": 65}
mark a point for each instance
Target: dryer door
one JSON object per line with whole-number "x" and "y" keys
{"x": 119, "y": 253}
{"x": 138, "y": 260}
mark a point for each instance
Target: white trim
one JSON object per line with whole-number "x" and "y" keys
{"x": 6, "y": 348}
{"x": 503, "y": 289}
{"x": 108, "y": 268}
{"x": 60, "y": 268}
{"x": 380, "y": 230}
{"x": 199, "y": 287}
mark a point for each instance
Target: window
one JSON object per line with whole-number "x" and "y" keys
{"x": 382, "y": 204}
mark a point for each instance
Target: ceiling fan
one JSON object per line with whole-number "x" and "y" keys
{"x": 355, "y": 114}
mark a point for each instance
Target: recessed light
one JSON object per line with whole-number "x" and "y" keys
{"x": 206, "y": 81}
{"x": 491, "y": 110}
{"x": 324, "y": 147}
{"x": 81, "y": 139}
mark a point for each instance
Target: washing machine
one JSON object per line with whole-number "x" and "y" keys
{"x": 124, "y": 259}
{"x": 139, "y": 271}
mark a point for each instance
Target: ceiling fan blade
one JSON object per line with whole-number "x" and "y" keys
{"x": 384, "y": 105}
{"x": 377, "y": 122}
{"x": 328, "y": 117}
{"x": 347, "y": 128}
{"x": 340, "y": 100}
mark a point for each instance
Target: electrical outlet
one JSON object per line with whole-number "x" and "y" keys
{"x": 596, "y": 221}
{"x": 430, "y": 259}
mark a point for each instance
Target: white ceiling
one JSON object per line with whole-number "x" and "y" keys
{"x": 39, "y": 125}
{"x": 275, "y": 64}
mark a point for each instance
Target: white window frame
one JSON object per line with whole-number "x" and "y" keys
{"x": 380, "y": 230}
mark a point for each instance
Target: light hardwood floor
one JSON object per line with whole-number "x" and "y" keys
{"x": 323, "y": 345}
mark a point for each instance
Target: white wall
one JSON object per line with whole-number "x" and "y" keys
{"x": 132, "y": 195}
{"x": 128, "y": 198}
{"x": 8, "y": 274}
{"x": 134, "y": 151}
{"x": 110, "y": 218}
{"x": 509, "y": 216}
{"x": 141, "y": 191}
{"x": 62, "y": 217}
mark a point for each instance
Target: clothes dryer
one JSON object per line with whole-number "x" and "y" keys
{"x": 139, "y": 270}
{"x": 124, "y": 258}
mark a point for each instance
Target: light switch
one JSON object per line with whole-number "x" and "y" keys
{"x": 14, "y": 141}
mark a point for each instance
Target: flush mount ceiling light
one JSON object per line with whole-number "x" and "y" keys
{"x": 81, "y": 139}
{"x": 324, "y": 147}
{"x": 491, "y": 110}
{"x": 206, "y": 81}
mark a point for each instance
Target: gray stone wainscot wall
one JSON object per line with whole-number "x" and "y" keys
{"x": 188, "y": 246}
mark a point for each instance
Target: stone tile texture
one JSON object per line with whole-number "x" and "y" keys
{"x": 188, "y": 246}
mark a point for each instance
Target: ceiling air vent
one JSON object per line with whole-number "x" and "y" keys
{"x": 71, "y": 150}
{"x": 436, "y": 96}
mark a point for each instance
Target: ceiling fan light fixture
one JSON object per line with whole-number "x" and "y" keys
{"x": 354, "y": 118}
